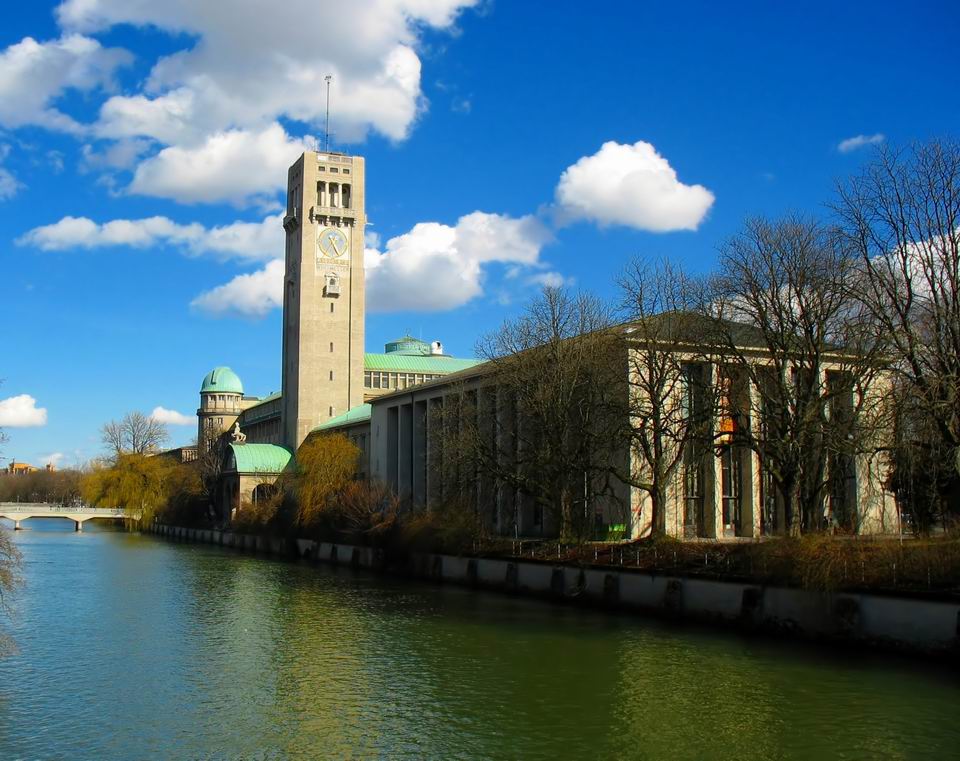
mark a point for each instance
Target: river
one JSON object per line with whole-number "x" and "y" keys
{"x": 133, "y": 647}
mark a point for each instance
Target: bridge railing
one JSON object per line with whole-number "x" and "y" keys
{"x": 46, "y": 507}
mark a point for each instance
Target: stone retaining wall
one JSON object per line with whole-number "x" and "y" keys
{"x": 902, "y": 623}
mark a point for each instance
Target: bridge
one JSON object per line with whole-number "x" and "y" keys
{"x": 79, "y": 514}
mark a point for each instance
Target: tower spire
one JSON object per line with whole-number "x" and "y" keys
{"x": 326, "y": 138}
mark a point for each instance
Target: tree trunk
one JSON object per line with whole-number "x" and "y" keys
{"x": 791, "y": 493}
{"x": 658, "y": 500}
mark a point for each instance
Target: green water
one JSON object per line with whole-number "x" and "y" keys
{"x": 133, "y": 647}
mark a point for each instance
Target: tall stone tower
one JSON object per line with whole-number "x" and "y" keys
{"x": 323, "y": 297}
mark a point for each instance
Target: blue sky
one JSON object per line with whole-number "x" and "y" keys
{"x": 144, "y": 145}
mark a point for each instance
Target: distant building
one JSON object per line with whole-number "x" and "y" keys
{"x": 21, "y": 468}
{"x": 326, "y": 374}
{"x": 385, "y": 402}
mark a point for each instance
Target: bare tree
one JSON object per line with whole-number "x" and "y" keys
{"x": 543, "y": 424}
{"x": 135, "y": 433}
{"x": 671, "y": 402}
{"x": 800, "y": 363}
{"x": 210, "y": 455}
{"x": 901, "y": 218}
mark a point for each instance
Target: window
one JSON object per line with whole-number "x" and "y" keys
{"x": 346, "y": 171}
{"x": 331, "y": 307}
{"x": 730, "y": 470}
{"x": 334, "y": 170}
{"x": 367, "y": 379}
{"x": 331, "y": 410}
{"x": 331, "y": 346}
{"x": 376, "y": 380}
{"x": 331, "y": 375}
{"x": 321, "y": 169}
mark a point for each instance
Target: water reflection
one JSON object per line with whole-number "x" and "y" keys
{"x": 137, "y": 647}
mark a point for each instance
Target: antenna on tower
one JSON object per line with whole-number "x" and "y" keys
{"x": 326, "y": 138}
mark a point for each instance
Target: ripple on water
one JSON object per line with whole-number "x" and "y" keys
{"x": 132, "y": 647}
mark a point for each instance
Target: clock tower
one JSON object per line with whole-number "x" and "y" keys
{"x": 323, "y": 292}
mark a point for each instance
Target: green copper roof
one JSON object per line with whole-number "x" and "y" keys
{"x": 260, "y": 458}
{"x": 395, "y": 361}
{"x": 357, "y": 414}
{"x": 222, "y": 380}
{"x": 408, "y": 345}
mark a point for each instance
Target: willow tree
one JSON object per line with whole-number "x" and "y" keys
{"x": 10, "y": 561}
{"x": 140, "y": 485}
{"x": 325, "y": 465}
{"x": 900, "y": 218}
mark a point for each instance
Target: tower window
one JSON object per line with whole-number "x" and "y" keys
{"x": 345, "y": 196}
{"x": 331, "y": 307}
{"x": 331, "y": 346}
{"x": 331, "y": 411}
{"x": 331, "y": 375}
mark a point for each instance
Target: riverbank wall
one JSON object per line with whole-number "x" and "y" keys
{"x": 913, "y": 624}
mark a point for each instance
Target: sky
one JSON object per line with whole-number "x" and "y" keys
{"x": 509, "y": 145}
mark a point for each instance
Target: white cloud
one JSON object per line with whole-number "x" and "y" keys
{"x": 214, "y": 106}
{"x": 859, "y": 141}
{"x": 9, "y": 185}
{"x": 432, "y": 267}
{"x": 630, "y": 185}
{"x": 435, "y": 267}
{"x": 21, "y": 412}
{"x": 249, "y": 67}
{"x": 54, "y": 459}
{"x": 252, "y": 241}
{"x": 236, "y": 166}
{"x": 34, "y": 74}
{"x": 251, "y": 295}
{"x": 172, "y": 417}
{"x": 122, "y": 154}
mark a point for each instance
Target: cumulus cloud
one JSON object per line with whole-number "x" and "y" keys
{"x": 214, "y": 105}
{"x": 172, "y": 417}
{"x": 236, "y": 166}
{"x": 34, "y": 74}
{"x": 21, "y": 412}
{"x": 630, "y": 185}
{"x": 253, "y": 241}
{"x": 250, "y": 295}
{"x": 859, "y": 141}
{"x": 432, "y": 267}
{"x": 435, "y": 267}
{"x": 249, "y": 67}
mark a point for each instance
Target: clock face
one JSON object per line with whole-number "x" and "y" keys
{"x": 333, "y": 243}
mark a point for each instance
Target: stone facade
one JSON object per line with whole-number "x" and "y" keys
{"x": 323, "y": 297}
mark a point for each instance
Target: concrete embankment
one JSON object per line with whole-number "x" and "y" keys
{"x": 908, "y": 624}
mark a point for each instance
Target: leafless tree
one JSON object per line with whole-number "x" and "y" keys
{"x": 671, "y": 402}
{"x": 210, "y": 456}
{"x": 900, "y": 217}
{"x": 796, "y": 342}
{"x": 135, "y": 433}
{"x": 556, "y": 378}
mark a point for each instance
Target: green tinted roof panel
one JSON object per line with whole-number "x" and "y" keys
{"x": 221, "y": 380}
{"x": 261, "y": 458}
{"x": 434, "y": 364}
